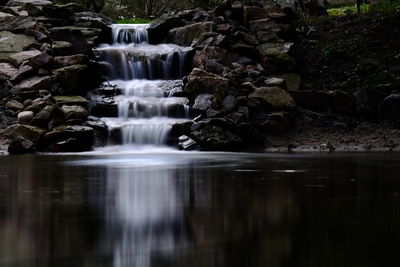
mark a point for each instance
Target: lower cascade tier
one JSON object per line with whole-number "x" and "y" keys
{"x": 153, "y": 131}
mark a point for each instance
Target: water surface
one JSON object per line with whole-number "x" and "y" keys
{"x": 200, "y": 209}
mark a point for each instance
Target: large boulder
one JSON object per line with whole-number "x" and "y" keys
{"x": 255, "y": 13}
{"x": 71, "y": 35}
{"x": 213, "y": 53}
{"x": 159, "y": 29}
{"x": 276, "y": 98}
{"x": 94, "y": 20}
{"x": 17, "y": 24}
{"x": 389, "y": 108}
{"x": 7, "y": 71}
{"x": 61, "y": 11}
{"x": 216, "y": 138}
{"x": 200, "y": 81}
{"x": 21, "y": 145}
{"x": 74, "y": 112}
{"x": 11, "y": 43}
{"x": 35, "y": 83}
{"x": 31, "y": 133}
{"x": 82, "y": 138}
{"x": 18, "y": 58}
{"x": 203, "y": 102}
{"x": 191, "y": 33}
{"x": 274, "y": 57}
{"x": 72, "y": 79}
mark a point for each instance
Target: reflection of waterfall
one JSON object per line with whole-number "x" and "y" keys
{"x": 145, "y": 218}
{"x": 141, "y": 71}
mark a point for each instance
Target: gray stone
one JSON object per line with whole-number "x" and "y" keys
{"x": 216, "y": 138}
{"x": 7, "y": 71}
{"x": 187, "y": 143}
{"x": 71, "y": 100}
{"x": 84, "y": 136}
{"x": 21, "y": 145}
{"x": 62, "y": 48}
{"x": 203, "y": 102}
{"x": 200, "y": 81}
{"x": 18, "y": 58}
{"x": 273, "y": 81}
{"x": 13, "y": 43}
{"x": 73, "y": 79}
{"x": 275, "y": 58}
{"x": 275, "y": 97}
{"x": 264, "y": 25}
{"x": 75, "y": 112}
{"x": 229, "y": 103}
{"x": 17, "y": 23}
{"x": 32, "y": 133}
{"x": 189, "y": 34}
{"x": 64, "y": 61}
{"x": 35, "y": 2}
{"x": 293, "y": 80}
{"x": 14, "y": 105}
{"x": 33, "y": 84}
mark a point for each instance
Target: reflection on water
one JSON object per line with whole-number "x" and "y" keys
{"x": 200, "y": 209}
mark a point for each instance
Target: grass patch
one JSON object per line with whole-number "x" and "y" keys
{"x": 382, "y": 7}
{"x": 347, "y": 10}
{"x": 133, "y": 21}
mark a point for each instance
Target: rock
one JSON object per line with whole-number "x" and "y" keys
{"x": 61, "y": 11}
{"x": 273, "y": 81}
{"x": 72, "y": 35}
{"x": 211, "y": 65}
{"x": 83, "y": 135}
{"x": 7, "y": 71}
{"x": 13, "y": 43}
{"x": 217, "y": 54}
{"x": 189, "y": 34}
{"x": 229, "y": 103}
{"x": 18, "y": 58}
{"x": 200, "y": 81}
{"x": 35, "y": 83}
{"x": 2, "y": 15}
{"x": 21, "y": 145}
{"x": 256, "y": 13}
{"x": 14, "y": 105}
{"x": 24, "y": 71}
{"x": 389, "y": 108}
{"x": 275, "y": 58}
{"x": 343, "y": 102}
{"x": 213, "y": 113}
{"x": 42, "y": 60}
{"x": 17, "y": 24}
{"x": 215, "y": 138}
{"x": 268, "y": 37}
{"x": 71, "y": 100}
{"x": 31, "y": 133}
{"x": 316, "y": 100}
{"x": 62, "y": 48}
{"x": 100, "y": 131}
{"x": 264, "y": 25}
{"x": 367, "y": 101}
{"x": 72, "y": 79}
{"x": 75, "y": 112}
{"x": 203, "y": 102}
{"x": 64, "y": 61}
{"x": 18, "y": 3}
{"x": 32, "y": 9}
{"x": 187, "y": 143}
{"x": 181, "y": 128}
{"x": 275, "y": 97}
{"x": 42, "y": 119}
{"x": 159, "y": 29}
{"x": 293, "y": 80}
{"x": 25, "y": 117}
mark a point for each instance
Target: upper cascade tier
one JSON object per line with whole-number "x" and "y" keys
{"x": 130, "y": 33}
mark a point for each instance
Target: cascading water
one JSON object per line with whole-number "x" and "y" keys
{"x": 144, "y": 73}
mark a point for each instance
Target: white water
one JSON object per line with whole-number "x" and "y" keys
{"x": 144, "y": 74}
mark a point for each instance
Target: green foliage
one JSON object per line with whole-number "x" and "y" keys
{"x": 347, "y": 10}
{"x": 382, "y": 7}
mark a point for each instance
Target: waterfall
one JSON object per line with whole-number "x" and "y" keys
{"x": 143, "y": 74}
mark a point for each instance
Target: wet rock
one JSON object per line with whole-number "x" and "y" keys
{"x": 14, "y": 105}
{"x": 7, "y": 71}
{"x": 215, "y": 138}
{"x": 275, "y": 97}
{"x": 187, "y": 143}
{"x": 83, "y": 135}
{"x": 229, "y": 103}
{"x": 181, "y": 128}
{"x": 17, "y": 24}
{"x": 31, "y": 133}
{"x": 75, "y": 112}
{"x": 12, "y": 43}
{"x": 203, "y": 102}
{"x": 25, "y": 117}
{"x": 100, "y": 131}
{"x": 35, "y": 83}
{"x": 389, "y": 108}
{"x": 21, "y": 145}
{"x": 200, "y": 81}
{"x": 189, "y": 34}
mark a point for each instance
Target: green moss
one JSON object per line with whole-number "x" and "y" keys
{"x": 133, "y": 21}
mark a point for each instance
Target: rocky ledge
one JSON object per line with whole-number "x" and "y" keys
{"x": 46, "y": 69}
